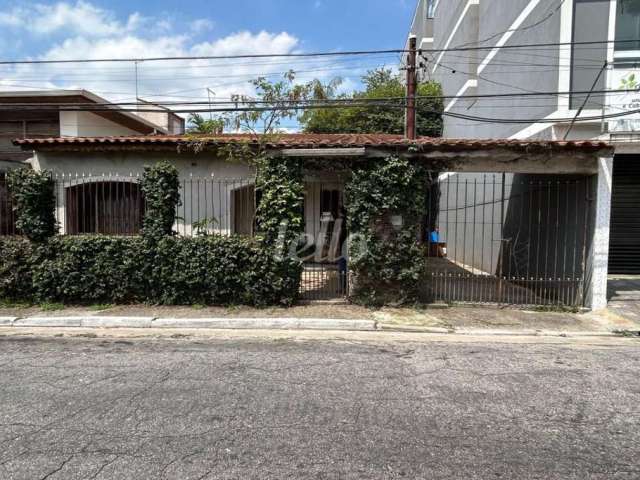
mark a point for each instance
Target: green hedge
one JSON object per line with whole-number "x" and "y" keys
{"x": 211, "y": 270}
{"x": 387, "y": 261}
{"x": 35, "y": 201}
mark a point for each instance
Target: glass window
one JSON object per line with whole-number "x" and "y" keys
{"x": 431, "y": 7}
{"x": 628, "y": 25}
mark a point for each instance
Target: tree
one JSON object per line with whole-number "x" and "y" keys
{"x": 199, "y": 125}
{"x": 277, "y": 103}
{"x": 379, "y": 84}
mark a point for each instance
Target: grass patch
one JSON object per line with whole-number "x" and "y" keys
{"x": 101, "y": 306}
{"x": 51, "y": 307}
{"x": 4, "y": 303}
{"x": 198, "y": 306}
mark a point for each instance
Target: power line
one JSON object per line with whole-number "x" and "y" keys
{"x": 306, "y": 55}
{"x": 391, "y": 105}
{"x": 346, "y": 101}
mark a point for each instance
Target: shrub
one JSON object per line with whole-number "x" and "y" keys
{"x": 161, "y": 188}
{"x": 35, "y": 201}
{"x": 16, "y": 259}
{"x": 211, "y": 270}
{"x": 386, "y": 201}
{"x": 280, "y": 185}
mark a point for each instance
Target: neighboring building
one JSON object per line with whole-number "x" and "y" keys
{"x": 41, "y": 114}
{"x": 571, "y": 66}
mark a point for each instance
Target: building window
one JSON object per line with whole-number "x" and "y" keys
{"x": 110, "y": 208}
{"x": 431, "y": 8}
{"x": 628, "y": 25}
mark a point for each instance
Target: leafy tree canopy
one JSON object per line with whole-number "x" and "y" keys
{"x": 199, "y": 125}
{"x": 380, "y": 83}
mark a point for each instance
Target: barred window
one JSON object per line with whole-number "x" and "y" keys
{"x": 109, "y": 207}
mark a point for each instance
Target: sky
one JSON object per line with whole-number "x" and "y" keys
{"x": 115, "y": 29}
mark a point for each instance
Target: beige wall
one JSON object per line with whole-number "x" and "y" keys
{"x": 207, "y": 183}
{"x": 87, "y": 124}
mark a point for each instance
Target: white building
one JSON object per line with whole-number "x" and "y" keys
{"x": 578, "y": 52}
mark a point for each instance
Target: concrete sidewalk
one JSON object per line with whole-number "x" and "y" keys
{"x": 460, "y": 321}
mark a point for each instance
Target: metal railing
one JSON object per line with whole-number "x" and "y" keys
{"x": 7, "y": 216}
{"x": 508, "y": 239}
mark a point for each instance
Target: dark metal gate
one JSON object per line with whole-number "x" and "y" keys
{"x": 507, "y": 239}
{"x": 624, "y": 245}
{"x": 324, "y": 275}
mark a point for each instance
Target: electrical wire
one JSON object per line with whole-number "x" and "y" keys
{"x": 303, "y": 55}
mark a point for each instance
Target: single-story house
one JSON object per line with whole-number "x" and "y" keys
{"x": 548, "y": 234}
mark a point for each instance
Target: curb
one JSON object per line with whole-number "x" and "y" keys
{"x": 496, "y": 333}
{"x": 265, "y": 323}
{"x": 205, "y": 323}
{"x": 78, "y": 321}
{"x": 282, "y": 323}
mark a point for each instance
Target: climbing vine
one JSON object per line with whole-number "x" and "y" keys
{"x": 35, "y": 202}
{"x": 161, "y": 187}
{"x": 386, "y": 204}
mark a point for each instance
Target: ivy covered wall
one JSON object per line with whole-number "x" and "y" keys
{"x": 386, "y": 204}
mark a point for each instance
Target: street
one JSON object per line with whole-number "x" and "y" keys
{"x": 350, "y": 408}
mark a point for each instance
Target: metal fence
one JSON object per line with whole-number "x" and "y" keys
{"x": 114, "y": 204}
{"x": 489, "y": 238}
{"x": 323, "y": 281}
{"x": 508, "y": 239}
{"x": 7, "y": 217}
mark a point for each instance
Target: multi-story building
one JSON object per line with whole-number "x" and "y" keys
{"x": 523, "y": 69}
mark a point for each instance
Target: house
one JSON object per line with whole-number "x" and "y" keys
{"x": 97, "y": 192}
{"x": 36, "y": 114}
{"x": 583, "y": 49}
{"x": 42, "y": 114}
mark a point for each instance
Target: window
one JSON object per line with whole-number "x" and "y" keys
{"x": 431, "y": 8}
{"x": 628, "y": 25}
{"x": 112, "y": 208}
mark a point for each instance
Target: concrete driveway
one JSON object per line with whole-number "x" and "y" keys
{"x": 347, "y": 407}
{"x": 624, "y": 296}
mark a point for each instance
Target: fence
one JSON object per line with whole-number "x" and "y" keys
{"x": 489, "y": 238}
{"x": 114, "y": 204}
{"x": 7, "y": 217}
{"x": 508, "y": 239}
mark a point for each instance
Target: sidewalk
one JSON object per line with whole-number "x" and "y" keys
{"x": 452, "y": 320}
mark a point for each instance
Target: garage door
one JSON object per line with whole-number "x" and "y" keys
{"x": 624, "y": 254}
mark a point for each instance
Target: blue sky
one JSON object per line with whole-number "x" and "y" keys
{"x": 95, "y": 28}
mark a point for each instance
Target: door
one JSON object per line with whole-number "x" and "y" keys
{"x": 624, "y": 243}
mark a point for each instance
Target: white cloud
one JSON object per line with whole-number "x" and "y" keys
{"x": 201, "y": 25}
{"x": 81, "y": 18}
{"x": 85, "y": 31}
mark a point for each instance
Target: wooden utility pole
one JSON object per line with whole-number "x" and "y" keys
{"x": 412, "y": 80}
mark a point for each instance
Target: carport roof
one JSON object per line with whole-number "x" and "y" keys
{"x": 308, "y": 141}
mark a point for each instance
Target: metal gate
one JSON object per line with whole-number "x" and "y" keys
{"x": 324, "y": 275}
{"x": 507, "y": 239}
{"x": 624, "y": 246}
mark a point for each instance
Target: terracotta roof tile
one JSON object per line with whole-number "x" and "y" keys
{"x": 308, "y": 140}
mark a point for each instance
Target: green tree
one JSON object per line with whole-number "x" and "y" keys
{"x": 379, "y": 84}
{"x": 199, "y": 125}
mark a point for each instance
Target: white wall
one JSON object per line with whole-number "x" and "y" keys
{"x": 208, "y": 181}
{"x": 87, "y": 124}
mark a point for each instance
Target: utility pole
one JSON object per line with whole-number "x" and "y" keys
{"x": 412, "y": 80}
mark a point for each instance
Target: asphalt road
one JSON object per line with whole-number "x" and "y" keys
{"x": 281, "y": 409}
